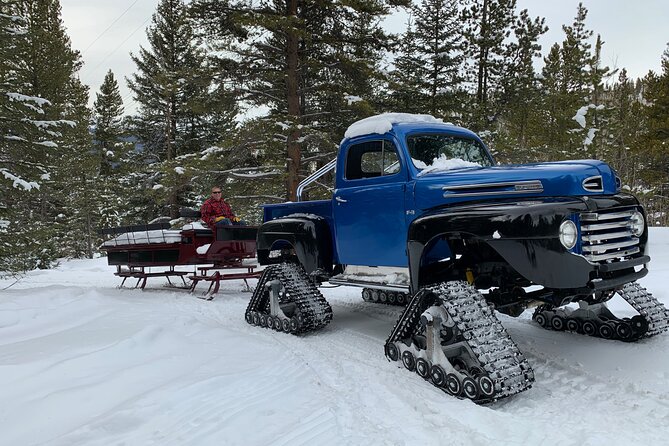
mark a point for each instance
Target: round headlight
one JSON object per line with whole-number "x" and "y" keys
{"x": 638, "y": 224}
{"x": 568, "y": 234}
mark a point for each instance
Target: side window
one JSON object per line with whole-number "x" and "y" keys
{"x": 371, "y": 159}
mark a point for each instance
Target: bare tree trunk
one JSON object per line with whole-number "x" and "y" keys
{"x": 481, "y": 95}
{"x": 168, "y": 133}
{"x": 292, "y": 89}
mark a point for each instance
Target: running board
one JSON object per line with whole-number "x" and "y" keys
{"x": 373, "y": 285}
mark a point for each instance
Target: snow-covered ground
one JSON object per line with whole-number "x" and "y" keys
{"x": 82, "y": 362}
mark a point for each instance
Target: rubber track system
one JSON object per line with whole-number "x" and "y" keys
{"x": 467, "y": 352}
{"x": 301, "y": 306}
{"x": 597, "y": 320}
{"x": 385, "y": 297}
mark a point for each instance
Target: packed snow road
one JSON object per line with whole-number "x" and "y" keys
{"x": 82, "y": 362}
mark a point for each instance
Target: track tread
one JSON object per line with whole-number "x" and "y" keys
{"x": 313, "y": 310}
{"x": 494, "y": 349}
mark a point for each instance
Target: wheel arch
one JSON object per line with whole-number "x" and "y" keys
{"x": 524, "y": 234}
{"x": 308, "y": 236}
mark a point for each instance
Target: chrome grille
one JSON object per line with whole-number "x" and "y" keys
{"x": 608, "y": 235}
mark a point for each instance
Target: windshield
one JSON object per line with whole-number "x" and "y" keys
{"x": 446, "y": 152}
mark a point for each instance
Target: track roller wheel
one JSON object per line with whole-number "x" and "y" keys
{"x": 557, "y": 323}
{"x": 541, "y": 320}
{"x": 294, "y": 324}
{"x": 278, "y": 325}
{"x": 437, "y": 375}
{"x": 256, "y": 318}
{"x": 401, "y": 299}
{"x": 383, "y": 297}
{"x": 249, "y": 318}
{"x": 392, "y": 298}
{"x": 423, "y": 368}
{"x": 409, "y": 361}
{"x": 453, "y": 385}
{"x": 573, "y": 325}
{"x": 476, "y": 371}
{"x": 623, "y": 331}
{"x": 469, "y": 389}
{"x": 486, "y": 386}
{"x": 589, "y": 328}
{"x": 286, "y": 325}
{"x": 263, "y": 320}
{"x": 375, "y": 296}
{"x": 366, "y": 294}
{"x": 606, "y": 331}
{"x": 639, "y": 324}
{"x": 270, "y": 322}
{"x": 392, "y": 353}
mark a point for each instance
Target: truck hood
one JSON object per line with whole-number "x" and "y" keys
{"x": 558, "y": 179}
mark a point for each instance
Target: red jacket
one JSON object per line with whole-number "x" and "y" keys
{"x": 215, "y": 208}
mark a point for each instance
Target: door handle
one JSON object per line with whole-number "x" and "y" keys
{"x": 341, "y": 200}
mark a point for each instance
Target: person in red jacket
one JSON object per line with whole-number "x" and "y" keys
{"x": 216, "y": 212}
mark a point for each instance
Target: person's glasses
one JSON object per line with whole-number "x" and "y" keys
{"x": 216, "y": 192}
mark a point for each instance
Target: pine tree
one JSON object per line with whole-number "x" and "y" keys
{"x": 657, "y": 94}
{"x": 172, "y": 86}
{"x": 488, "y": 24}
{"x": 404, "y": 84}
{"x": 625, "y": 128}
{"x": 52, "y": 141}
{"x": 300, "y": 60}
{"x": 653, "y": 143}
{"x": 107, "y": 117}
{"x": 520, "y": 96}
{"x": 428, "y": 76}
{"x": 570, "y": 77}
{"x": 554, "y": 94}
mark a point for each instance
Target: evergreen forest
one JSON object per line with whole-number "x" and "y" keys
{"x": 256, "y": 95}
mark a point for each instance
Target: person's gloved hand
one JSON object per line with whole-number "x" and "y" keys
{"x": 217, "y": 219}
{"x": 236, "y": 219}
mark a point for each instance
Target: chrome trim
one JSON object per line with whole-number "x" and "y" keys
{"x": 606, "y": 236}
{"x": 602, "y": 226}
{"x": 603, "y": 247}
{"x": 610, "y": 216}
{"x": 519, "y": 187}
{"x": 600, "y": 186}
{"x": 613, "y": 255}
{"x": 314, "y": 176}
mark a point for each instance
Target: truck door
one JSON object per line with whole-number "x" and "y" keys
{"x": 370, "y": 226}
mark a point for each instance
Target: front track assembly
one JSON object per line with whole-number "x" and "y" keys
{"x": 286, "y": 300}
{"x": 597, "y": 319}
{"x": 449, "y": 335}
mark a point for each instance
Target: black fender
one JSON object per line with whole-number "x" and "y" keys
{"x": 308, "y": 236}
{"x": 523, "y": 232}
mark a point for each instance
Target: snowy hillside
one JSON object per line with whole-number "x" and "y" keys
{"x": 82, "y": 362}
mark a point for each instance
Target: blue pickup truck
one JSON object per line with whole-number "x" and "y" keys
{"x": 422, "y": 216}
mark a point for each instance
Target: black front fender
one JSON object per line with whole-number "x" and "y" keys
{"x": 524, "y": 233}
{"x": 308, "y": 236}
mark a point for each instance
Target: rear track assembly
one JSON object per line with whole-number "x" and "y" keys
{"x": 597, "y": 319}
{"x": 286, "y": 300}
{"x": 448, "y": 334}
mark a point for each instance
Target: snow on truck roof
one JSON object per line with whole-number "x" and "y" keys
{"x": 383, "y": 123}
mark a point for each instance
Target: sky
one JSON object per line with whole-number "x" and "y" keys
{"x": 107, "y": 31}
